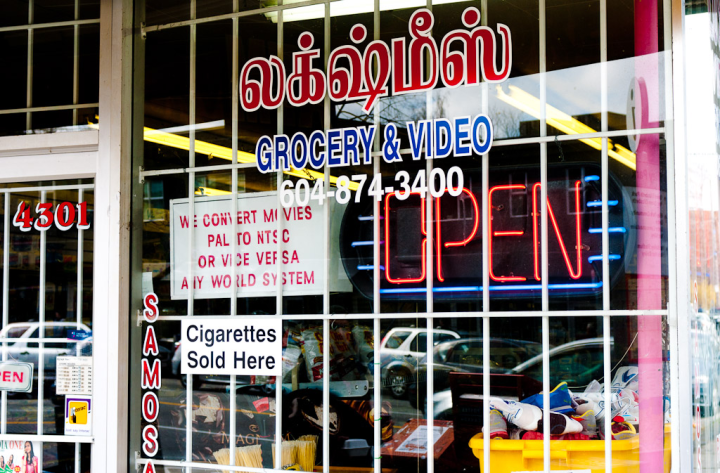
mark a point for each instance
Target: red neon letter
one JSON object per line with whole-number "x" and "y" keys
{"x": 551, "y": 214}
{"x": 387, "y": 242}
{"x": 490, "y": 232}
{"x": 476, "y": 217}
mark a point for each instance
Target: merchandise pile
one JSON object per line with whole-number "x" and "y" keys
{"x": 351, "y": 351}
{"x": 573, "y": 416}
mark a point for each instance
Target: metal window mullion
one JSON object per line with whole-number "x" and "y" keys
{"x": 413, "y": 315}
{"x": 191, "y": 240}
{"x": 377, "y": 328}
{"x": 485, "y": 273}
{"x": 5, "y": 303}
{"x": 544, "y": 240}
{"x": 77, "y": 457}
{"x": 49, "y": 108}
{"x": 80, "y": 263}
{"x": 55, "y": 24}
{"x": 76, "y": 61}
{"x": 15, "y": 190}
{"x": 429, "y": 302}
{"x": 278, "y": 267}
{"x": 429, "y": 378}
{"x": 234, "y": 206}
{"x": 79, "y": 292}
{"x": 326, "y": 268}
{"x": 41, "y": 318}
{"x": 605, "y": 237}
{"x": 28, "y": 99}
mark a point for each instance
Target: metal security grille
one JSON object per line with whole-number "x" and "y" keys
{"x": 543, "y": 141}
{"x": 13, "y": 423}
{"x": 31, "y": 27}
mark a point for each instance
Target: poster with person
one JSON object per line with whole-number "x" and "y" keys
{"x": 20, "y": 456}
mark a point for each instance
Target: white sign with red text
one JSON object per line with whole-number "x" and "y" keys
{"x": 256, "y": 249}
{"x": 16, "y": 376}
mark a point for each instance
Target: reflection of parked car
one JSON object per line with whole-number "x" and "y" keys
{"x": 577, "y": 363}
{"x": 400, "y": 352}
{"x": 21, "y": 347}
{"x": 466, "y": 356}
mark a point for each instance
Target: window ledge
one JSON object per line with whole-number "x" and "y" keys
{"x": 51, "y": 143}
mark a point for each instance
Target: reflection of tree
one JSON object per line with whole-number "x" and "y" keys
{"x": 397, "y": 109}
{"x": 506, "y": 122}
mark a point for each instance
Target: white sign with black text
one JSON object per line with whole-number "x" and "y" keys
{"x": 232, "y": 346}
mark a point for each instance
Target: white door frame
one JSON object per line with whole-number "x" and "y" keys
{"x": 104, "y": 155}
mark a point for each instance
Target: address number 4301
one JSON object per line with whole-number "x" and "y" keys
{"x": 64, "y": 216}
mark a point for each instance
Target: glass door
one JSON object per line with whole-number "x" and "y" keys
{"x": 46, "y": 402}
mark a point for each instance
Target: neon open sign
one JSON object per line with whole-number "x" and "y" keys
{"x": 514, "y": 206}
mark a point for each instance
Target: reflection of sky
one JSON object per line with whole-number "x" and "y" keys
{"x": 700, "y": 113}
{"x": 574, "y": 91}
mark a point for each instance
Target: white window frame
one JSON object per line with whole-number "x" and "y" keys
{"x": 102, "y": 154}
{"x": 676, "y": 312}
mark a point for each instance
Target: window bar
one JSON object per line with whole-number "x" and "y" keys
{"x": 326, "y": 269}
{"x": 79, "y": 295}
{"x": 76, "y": 61}
{"x": 41, "y": 318}
{"x": 191, "y": 240}
{"x": 485, "y": 275}
{"x": 461, "y": 315}
{"x": 607, "y": 363}
{"x": 234, "y": 206}
{"x": 28, "y": 100}
{"x": 377, "y": 339}
{"x": 5, "y": 303}
{"x": 544, "y": 242}
{"x": 15, "y": 190}
{"x": 80, "y": 263}
{"x": 278, "y": 267}
{"x": 429, "y": 300}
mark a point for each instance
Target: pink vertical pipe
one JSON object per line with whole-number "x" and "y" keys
{"x": 649, "y": 255}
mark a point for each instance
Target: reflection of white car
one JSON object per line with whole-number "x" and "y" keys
{"x": 21, "y": 347}
{"x": 400, "y": 352}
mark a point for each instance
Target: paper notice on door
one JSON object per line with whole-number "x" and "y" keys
{"x": 417, "y": 441}
{"x": 78, "y": 415}
{"x": 74, "y": 375}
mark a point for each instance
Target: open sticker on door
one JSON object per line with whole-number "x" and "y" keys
{"x": 78, "y": 415}
{"x": 16, "y": 376}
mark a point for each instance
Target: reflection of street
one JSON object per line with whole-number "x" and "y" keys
{"x": 22, "y": 416}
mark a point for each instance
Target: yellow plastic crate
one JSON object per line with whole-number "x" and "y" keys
{"x": 510, "y": 456}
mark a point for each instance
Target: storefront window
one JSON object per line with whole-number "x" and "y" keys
{"x": 704, "y": 277}
{"x": 53, "y": 51}
{"x": 47, "y": 323}
{"x": 431, "y": 230}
